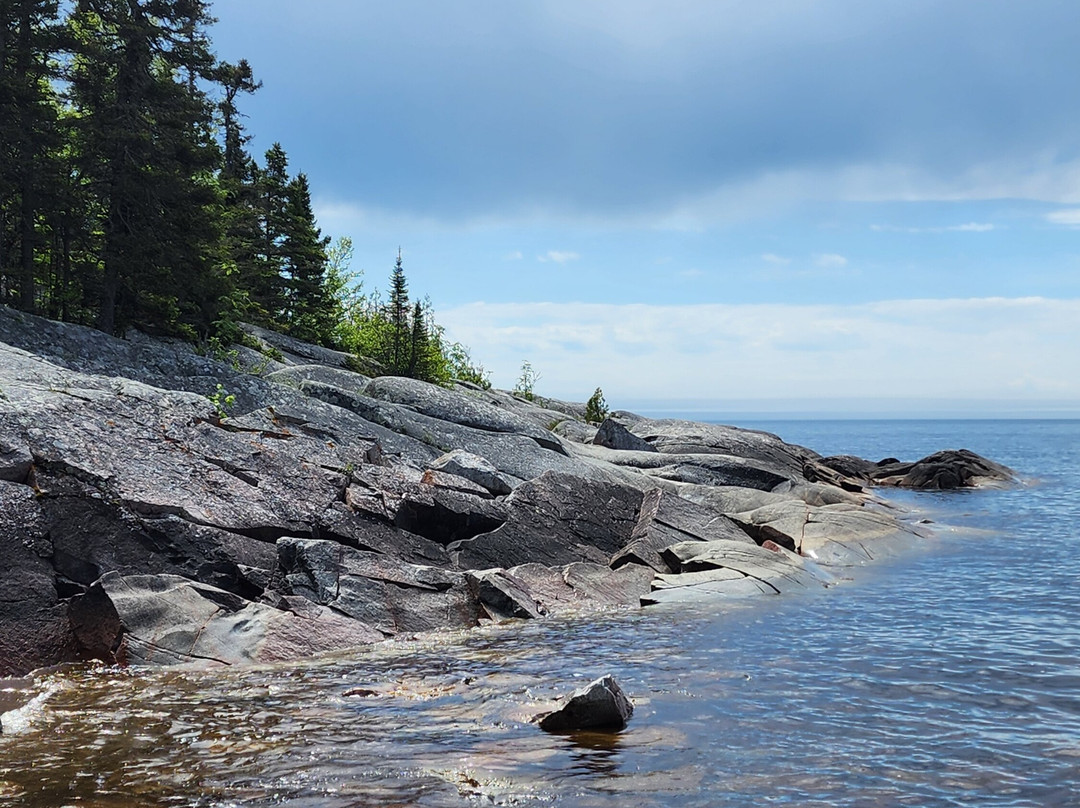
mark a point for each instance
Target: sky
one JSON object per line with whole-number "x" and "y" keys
{"x": 792, "y": 207}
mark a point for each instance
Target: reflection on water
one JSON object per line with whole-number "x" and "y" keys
{"x": 949, "y": 677}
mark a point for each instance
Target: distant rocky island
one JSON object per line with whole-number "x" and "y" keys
{"x": 164, "y": 507}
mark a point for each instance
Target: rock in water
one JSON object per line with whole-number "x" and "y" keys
{"x": 599, "y": 705}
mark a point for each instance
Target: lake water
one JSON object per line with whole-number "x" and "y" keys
{"x": 948, "y": 677}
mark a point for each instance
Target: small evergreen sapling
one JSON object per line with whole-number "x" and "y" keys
{"x": 596, "y": 409}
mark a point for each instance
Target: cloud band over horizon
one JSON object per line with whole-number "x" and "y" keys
{"x": 1020, "y": 349}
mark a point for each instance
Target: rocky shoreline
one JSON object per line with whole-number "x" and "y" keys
{"x": 162, "y": 507}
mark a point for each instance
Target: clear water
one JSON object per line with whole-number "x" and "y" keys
{"x": 949, "y": 677}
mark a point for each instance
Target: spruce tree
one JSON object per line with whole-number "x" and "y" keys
{"x": 310, "y": 307}
{"x": 397, "y": 311}
{"x": 28, "y": 141}
{"x": 146, "y": 148}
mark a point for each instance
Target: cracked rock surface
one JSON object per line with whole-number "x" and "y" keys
{"x": 143, "y": 523}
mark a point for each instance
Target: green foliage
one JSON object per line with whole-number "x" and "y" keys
{"x": 462, "y": 367}
{"x": 128, "y": 196}
{"x": 596, "y": 409}
{"x": 222, "y": 401}
{"x": 526, "y": 383}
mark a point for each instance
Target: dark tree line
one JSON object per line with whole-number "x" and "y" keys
{"x": 127, "y": 194}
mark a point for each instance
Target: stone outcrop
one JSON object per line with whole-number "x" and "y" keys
{"x": 163, "y": 507}
{"x": 942, "y": 471}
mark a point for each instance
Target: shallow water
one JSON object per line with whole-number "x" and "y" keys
{"x": 948, "y": 677}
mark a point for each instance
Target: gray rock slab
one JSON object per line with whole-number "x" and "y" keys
{"x": 583, "y": 586}
{"x": 556, "y": 519}
{"x": 298, "y": 352}
{"x": 517, "y": 455}
{"x": 458, "y": 408}
{"x": 389, "y": 595}
{"x": 169, "y": 620}
{"x": 736, "y": 587}
{"x": 475, "y": 469}
{"x": 841, "y": 534}
{"x": 296, "y": 375}
{"x": 780, "y": 570}
{"x": 665, "y": 519}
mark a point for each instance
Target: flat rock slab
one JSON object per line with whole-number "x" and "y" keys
{"x": 556, "y": 519}
{"x": 841, "y": 534}
{"x": 666, "y": 518}
{"x": 776, "y": 568}
{"x": 600, "y": 705}
{"x": 738, "y": 586}
{"x": 169, "y": 620}
{"x": 583, "y": 586}
{"x": 389, "y": 595}
{"x": 475, "y": 469}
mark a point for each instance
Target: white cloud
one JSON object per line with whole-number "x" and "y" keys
{"x": 693, "y": 272}
{"x": 1043, "y": 179}
{"x": 775, "y": 260}
{"x": 830, "y": 261}
{"x": 1070, "y": 217}
{"x": 516, "y": 255}
{"x": 982, "y": 348}
{"x": 970, "y": 227}
{"x": 557, "y": 256}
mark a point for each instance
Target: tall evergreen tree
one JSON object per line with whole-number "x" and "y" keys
{"x": 397, "y": 311}
{"x": 310, "y": 308}
{"x": 147, "y": 150}
{"x": 28, "y": 140}
{"x": 264, "y": 278}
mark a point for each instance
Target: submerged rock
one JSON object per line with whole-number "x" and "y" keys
{"x": 600, "y": 705}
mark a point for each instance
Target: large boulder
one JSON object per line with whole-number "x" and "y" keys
{"x": 941, "y": 471}
{"x": 944, "y": 471}
{"x": 600, "y": 705}
{"x": 614, "y": 435}
{"x": 34, "y": 629}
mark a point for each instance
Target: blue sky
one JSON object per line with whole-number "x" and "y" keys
{"x": 827, "y": 206}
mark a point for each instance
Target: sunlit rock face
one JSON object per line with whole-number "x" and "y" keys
{"x": 162, "y": 507}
